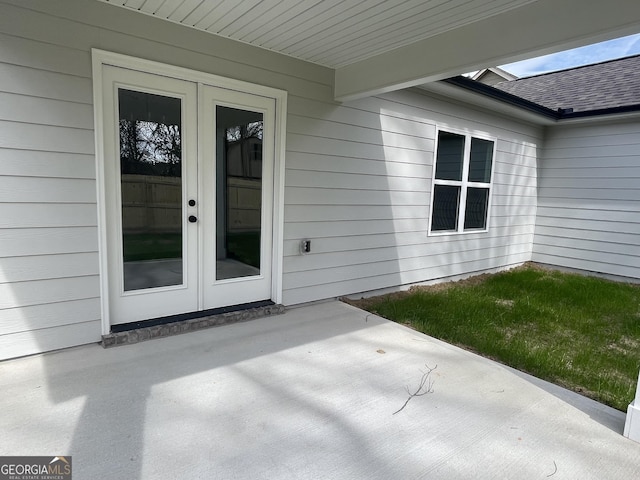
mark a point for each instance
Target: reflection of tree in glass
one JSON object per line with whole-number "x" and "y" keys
{"x": 150, "y": 148}
{"x": 240, "y": 132}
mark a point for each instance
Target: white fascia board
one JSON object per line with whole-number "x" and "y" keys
{"x": 538, "y": 28}
{"x": 471, "y": 98}
{"x": 467, "y": 97}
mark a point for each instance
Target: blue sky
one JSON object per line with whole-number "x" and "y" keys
{"x": 599, "y": 52}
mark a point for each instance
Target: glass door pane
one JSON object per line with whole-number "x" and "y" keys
{"x": 151, "y": 189}
{"x": 239, "y": 135}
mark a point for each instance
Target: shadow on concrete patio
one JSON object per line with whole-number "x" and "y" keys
{"x": 308, "y": 394}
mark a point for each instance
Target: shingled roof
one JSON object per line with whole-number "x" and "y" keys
{"x": 606, "y": 85}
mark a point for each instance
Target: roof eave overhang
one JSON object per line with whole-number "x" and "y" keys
{"x": 494, "y": 103}
{"x": 566, "y": 24}
{"x": 478, "y": 94}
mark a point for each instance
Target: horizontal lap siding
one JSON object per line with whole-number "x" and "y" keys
{"x": 49, "y": 287}
{"x": 589, "y": 199}
{"x": 358, "y": 184}
{"x": 358, "y": 175}
{"x": 49, "y": 277}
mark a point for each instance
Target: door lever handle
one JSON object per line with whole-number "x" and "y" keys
{"x": 193, "y": 219}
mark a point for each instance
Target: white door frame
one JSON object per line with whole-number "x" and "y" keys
{"x": 101, "y": 58}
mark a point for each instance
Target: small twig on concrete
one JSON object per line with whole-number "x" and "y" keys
{"x": 555, "y": 471}
{"x": 425, "y": 386}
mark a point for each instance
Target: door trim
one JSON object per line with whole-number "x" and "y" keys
{"x": 101, "y": 58}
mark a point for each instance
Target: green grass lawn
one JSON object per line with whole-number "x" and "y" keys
{"x": 151, "y": 246}
{"x": 244, "y": 247}
{"x": 579, "y": 332}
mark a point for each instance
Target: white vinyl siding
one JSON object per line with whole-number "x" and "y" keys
{"x": 359, "y": 186}
{"x": 358, "y": 175}
{"x": 48, "y": 239}
{"x": 589, "y": 199}
{"x": 49, "y": 275}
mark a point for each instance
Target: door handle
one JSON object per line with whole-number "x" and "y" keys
{"x": 193, "y": 219}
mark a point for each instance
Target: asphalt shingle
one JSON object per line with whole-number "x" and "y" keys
{"x": 615, "y": 83}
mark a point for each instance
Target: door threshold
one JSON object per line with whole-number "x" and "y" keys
{"x": 135, "y": 332}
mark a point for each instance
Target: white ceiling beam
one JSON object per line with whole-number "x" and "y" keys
{"x": 538, "y": 28}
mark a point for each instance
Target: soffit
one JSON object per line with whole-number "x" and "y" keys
{"x": 332, "y": 33}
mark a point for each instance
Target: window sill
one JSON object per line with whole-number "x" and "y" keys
{"x": 444, "y": 233}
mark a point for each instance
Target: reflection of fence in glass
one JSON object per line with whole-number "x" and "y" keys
{"x": 244, "y": 178}
{"x": 151, "y": 189}
{"x": 151, "y": 217}
{"x": 240, "y": 241}
{"x": 244, "y": 198}
{"x": 151, "y": 171}
{"x": 153, "y": 203}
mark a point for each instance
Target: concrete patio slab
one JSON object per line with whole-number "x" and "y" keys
{"x": 310, "y": 394}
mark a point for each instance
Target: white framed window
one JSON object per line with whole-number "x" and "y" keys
{"x": 462, "y": 183}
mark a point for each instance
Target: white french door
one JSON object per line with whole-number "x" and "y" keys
{"x": 188, "y": 177}
{"x": 237, "y": 144}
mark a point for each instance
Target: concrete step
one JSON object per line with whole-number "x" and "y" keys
{"x": 142, "y": 334}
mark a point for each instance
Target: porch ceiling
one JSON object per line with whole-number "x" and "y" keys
{"x": 382, "y": 45}
{"x": 333, "y": 33}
